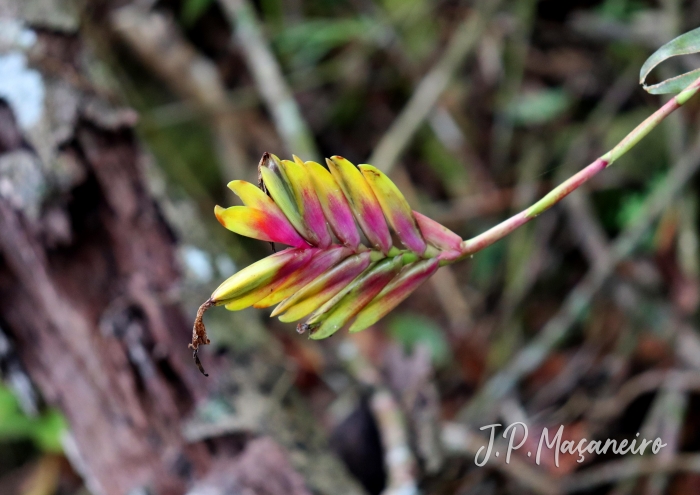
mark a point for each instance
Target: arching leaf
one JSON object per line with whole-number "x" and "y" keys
{"x": 684, "y": 44}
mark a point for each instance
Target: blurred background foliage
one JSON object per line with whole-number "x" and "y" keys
{"x": 548, "y": 86}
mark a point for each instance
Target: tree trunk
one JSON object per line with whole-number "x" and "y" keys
{"x": 87, "y": 276}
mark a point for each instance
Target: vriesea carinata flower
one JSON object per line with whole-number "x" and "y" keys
{"x": 356, "y": 251}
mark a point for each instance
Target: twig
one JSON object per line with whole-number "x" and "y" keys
{"x": 524, "y": 244}
{"x": 502, "y": 132}
{"x": 588, "y": 232}
{"x": 156, "y": 39}
{"x": 565, "y": 380}
{"x": 177, "y": 112}
{"x": 460, "y": 441}
{"x": 625, "y": 468}
{"x": 688, "y": 347}
{"x": 532, "y": 355}
{"x": 398, "y": 457}
{"x": 449, "y": 294}
{"x": 268, "y": 76}
{"x": 491, "y": 202}
{"x": 665, "y": 420}
{"x": 443, "y": 125}
{"x": 475, "y": 177}
{"x": 402, "y": 130}
{"x": 479, "y": 205}
{"x": 641, "y": 384}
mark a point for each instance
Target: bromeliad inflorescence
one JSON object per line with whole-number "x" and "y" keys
{"x": 357, "y": 249}
{"x": 332, "y": 275}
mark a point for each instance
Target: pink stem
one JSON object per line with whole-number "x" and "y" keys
{"x": 504, "y": 228}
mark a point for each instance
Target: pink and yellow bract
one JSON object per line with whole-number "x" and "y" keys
{"x": 343, "y": 266}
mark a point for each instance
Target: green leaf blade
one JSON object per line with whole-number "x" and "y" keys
{"x": 684, "y": 44}
{"x": 673, "y": 85}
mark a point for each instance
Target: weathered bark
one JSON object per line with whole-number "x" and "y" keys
{"x": 87, "y": 276}
{"x": 90, "y": 326}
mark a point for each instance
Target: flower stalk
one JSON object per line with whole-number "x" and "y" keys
{"x": 357, "y": 250}
{"x": 504, "y": 228}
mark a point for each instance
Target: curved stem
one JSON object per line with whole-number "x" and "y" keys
{"x": 504, "y": 228}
